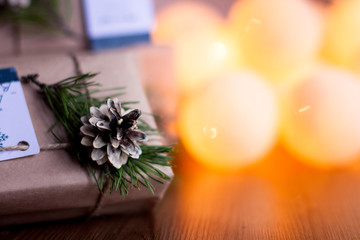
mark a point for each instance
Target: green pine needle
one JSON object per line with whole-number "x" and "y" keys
{"x": 70, "y": 99}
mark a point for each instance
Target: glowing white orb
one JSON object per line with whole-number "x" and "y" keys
{"x": 232, "y": 123}
{"x": 321, "y": 118}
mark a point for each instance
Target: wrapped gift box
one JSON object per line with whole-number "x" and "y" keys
{"x": 52, "y": 185}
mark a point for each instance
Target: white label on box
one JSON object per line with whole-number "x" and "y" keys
{"x": 15, "y": 122}
{"x": 114, "y": 18}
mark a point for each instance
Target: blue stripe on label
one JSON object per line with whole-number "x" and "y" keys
{"x": 114, "y": 42}
{"x": 8, "y": 75}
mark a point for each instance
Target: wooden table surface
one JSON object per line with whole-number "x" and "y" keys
{"x": 279, "y": 198}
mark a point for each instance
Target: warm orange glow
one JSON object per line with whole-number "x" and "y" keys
{"x": 279, "y": 38}
{"x": 197, "y": 59}
{"x": 202, "y": 56}
{"x": 342, "y": 39}
{"x": 321, "y": 118}
{"x": 184, "y": 18}
{"x": 231, "y": 123}
{"x": 202, "y": 45}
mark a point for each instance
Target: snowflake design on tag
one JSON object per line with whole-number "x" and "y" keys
{"x": 3, "y": 138}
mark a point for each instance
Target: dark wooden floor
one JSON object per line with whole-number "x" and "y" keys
{"x": 277, "y": 199}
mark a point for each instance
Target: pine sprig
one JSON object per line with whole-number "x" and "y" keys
{"x": 137, "y": 171}
{"x": 70, "y": 99}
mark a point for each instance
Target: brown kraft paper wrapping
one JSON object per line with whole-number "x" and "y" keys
{"x": 52, "y": 185}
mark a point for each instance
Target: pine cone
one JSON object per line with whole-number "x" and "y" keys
{"x": 112, "y": 133}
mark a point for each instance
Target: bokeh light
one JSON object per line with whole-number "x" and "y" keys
{"x": 321, "y": 118}
{"x": 278, "y": 37}
{"x": 202, "y": 46}
{"x": 231, "y": 123}
{"x": 184, "y": 18}
{"x": 232, "y": 70}
{"x": 342, "y": 38}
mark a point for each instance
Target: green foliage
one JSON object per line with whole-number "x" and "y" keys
{"x": 36, "y": 13}
{"x": 42, "y": 14}
{"x": 70, "y": 99}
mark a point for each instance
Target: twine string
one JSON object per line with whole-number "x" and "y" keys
{"x": 22, "y": 146}
{"x": 100, "y": 201}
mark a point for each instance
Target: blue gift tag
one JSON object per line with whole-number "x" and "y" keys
{"x": 15, "y": 122}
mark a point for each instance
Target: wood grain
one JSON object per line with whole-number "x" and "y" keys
{"x": 277, "y": 199}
